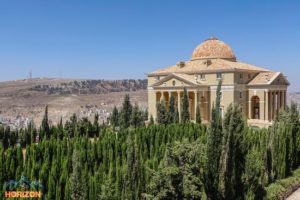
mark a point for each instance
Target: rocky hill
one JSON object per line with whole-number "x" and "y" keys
{"x": 92, "y": 86}
{"x": 23, "y": 101}
{"x": 293, "y": 96}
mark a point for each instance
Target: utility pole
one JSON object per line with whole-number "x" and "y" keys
{"x": 30, "y": 74}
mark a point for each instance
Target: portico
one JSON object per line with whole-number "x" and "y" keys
{"x": 264, "y": 106}
{"x": 197, "y": 97}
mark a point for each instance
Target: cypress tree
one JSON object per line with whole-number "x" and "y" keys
{"x": 283, "y": 141}
{"x": 177, "y": 177}
{"x": 60, "y": 127}
{"x": 254, "y": 168}
{"x": 96, "y": 125}
{"x": 130, "y": 167}
{"x": 214, "y": 148}
{"x": 126, "y": 112}
{"x": 171, "y": 111}
{"x": 77, "y": 185}
{"x": 136, "y": 116}
{"x": 45, "y": 128}
{"x": 19, "y": 162}
{"x": 145, "y": 115}
{"x": 71, "y": 126}
{"x": 51, "y": 187}
{"x": 67, "y": 193}
{"x": 185, "y": 114}
{"x": 107, "y": 190}
{"x": 2, "y": 169}
{"x": 114, "y": 119}
{"x": 232, "y": 158}
{"x": 198, "y": 115}
{"x": 176, "y": 116}
{"x": 120, "y": 165}
{"x": 5, "y": 137}
{"x": 162, "y": 115}
{"x": 290, "y": 118}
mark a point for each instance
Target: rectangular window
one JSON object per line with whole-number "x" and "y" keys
{"x": 202, "y": 76}
{"x": 241, "y": 95}
{"x": 241, "y": 76}
{"x": 219, "y": 75}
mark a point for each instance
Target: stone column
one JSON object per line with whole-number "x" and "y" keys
{"x": 266, "y": 105}
{"x": 281, "y": 99}
{"x": 179, "y": 104}
{"x": 161, "y": 96}
{"x": 156, "y": 94}
{"x": 207, "y": 106}
{"x": 170, "y": 94}
{"x": 278, "y": 101}
{"x": 262, "y": 108}
{"x": 274, "y": 105}
{"x": 249, "y": 107}
{"x": 196, "y": 102}
{"x": 190, "y": 100}
{"x": 284, "y": 99}
{"x": 271, "y": 105}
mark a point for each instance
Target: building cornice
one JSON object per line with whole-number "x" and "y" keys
{"x": 211, "y": 71}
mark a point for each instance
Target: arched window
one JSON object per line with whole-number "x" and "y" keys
{"x": 255, "y": 107}
{"x": 174, "y": 83}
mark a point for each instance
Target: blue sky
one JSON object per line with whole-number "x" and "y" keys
{"x": 126, "y": 39}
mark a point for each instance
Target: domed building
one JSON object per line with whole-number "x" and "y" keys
{"x": 259, "y": 92}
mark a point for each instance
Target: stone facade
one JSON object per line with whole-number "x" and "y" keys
{"x": 259, "y": 92}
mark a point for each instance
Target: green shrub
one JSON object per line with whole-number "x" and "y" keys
{"x": 281, "y": 187}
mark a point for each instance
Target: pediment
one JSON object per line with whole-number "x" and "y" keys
{"x": 280, "y": 79}
{"x": 269, "y": 78}
{"x": 174, "y": 80}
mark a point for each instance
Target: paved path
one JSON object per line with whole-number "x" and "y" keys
{"x": 295, "y": 195}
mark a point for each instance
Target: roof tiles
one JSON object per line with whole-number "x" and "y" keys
{"x": 209, "y": 65}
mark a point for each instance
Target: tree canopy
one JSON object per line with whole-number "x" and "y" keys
{"x": 82, "y": 159}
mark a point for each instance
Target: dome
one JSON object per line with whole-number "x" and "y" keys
{"x": 213, "y": 48}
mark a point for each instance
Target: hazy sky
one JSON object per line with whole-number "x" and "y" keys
{"x": 118, "y": 39}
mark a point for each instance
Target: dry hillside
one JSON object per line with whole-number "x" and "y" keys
{"x": 25, "y": 100}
